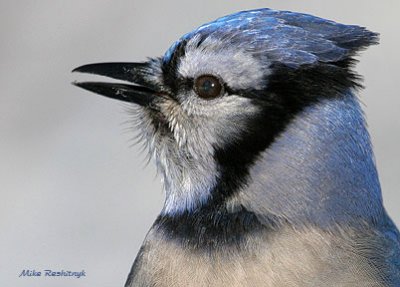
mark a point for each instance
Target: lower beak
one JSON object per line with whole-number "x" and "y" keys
{"x": 141, "y": 92}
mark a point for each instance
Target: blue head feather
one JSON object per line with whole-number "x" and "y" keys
{"x": 293, "y": 39}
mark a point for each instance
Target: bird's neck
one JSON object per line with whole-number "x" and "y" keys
{"x": 320, "y": 169}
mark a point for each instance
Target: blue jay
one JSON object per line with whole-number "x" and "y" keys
{"x": 265, "y": 159}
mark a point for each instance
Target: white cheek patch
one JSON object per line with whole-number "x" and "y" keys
{"x": 186, "y": 161}
{"x": 185, "y": 158}
{"x": 240, "y": 70}
{"x": 185, "y": 154}
{"x": 220, "y": 120}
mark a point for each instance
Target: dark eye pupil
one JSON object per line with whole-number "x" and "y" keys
{"x": 208, "y": 86}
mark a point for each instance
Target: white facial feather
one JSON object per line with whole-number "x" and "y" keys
{"x": 240, "y": 70}
{"x": 199, "y": 126}
{"x": 196, "y": 126}
{"x": 185, "y": 156}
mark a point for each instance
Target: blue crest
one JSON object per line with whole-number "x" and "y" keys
{"x": 289, "y": 38}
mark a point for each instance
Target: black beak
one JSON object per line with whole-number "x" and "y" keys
{"x": 141, "y": 92}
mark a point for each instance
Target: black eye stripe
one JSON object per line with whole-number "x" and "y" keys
{"x": 228, "y": 90}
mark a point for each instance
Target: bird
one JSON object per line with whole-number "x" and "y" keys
{"x": 255, "y": 125}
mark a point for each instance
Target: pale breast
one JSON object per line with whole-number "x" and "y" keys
{"x": 287, "y": 258}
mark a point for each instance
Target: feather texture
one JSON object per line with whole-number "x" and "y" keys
{"x": 293, "y": 39}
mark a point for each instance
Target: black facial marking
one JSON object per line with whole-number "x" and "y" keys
{"x": 170, "y": 68}
{"x": 288, "y": 92}
{"x": 202, "y": 39}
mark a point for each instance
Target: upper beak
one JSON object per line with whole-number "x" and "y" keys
{"x": 141, "y": 92}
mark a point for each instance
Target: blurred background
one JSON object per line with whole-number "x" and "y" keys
{"x": 75, "y": 193}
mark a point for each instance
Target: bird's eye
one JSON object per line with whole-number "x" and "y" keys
{"x": 208, "y": 86}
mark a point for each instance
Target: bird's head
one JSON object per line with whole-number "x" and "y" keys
{"x": 223, "y": 93}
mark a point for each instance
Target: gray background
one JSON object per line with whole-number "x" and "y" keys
{"x": 74, "y": 193}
